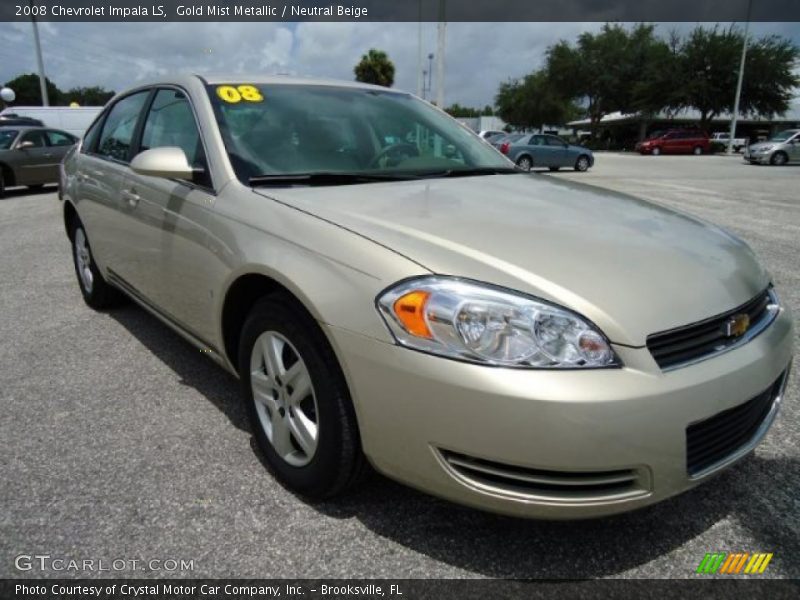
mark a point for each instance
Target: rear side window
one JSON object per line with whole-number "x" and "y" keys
{"x": 7, "y": 137}
{"x": 170, "y": 122}
{"x": 119, "y": 127}
{"x": 90, "y": 137}
{"x": 35, "y": 137}
{"x": 60, "y": 138}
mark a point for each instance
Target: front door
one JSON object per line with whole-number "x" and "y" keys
{"x": 169, "y": 219}
{"x": 34, "y": 159}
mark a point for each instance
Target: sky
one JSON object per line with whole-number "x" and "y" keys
{"x": 479, "y": 56}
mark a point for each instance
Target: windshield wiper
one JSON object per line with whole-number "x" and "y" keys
{"x": 325, "y": 178}
{"x": 476, "y": 171}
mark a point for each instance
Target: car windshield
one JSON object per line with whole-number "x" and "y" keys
{"x": 7, "y": 137}
{"x": 783, "y": 136}
{"x": 300, "y": 130}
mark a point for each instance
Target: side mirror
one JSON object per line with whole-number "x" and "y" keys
{"x": 25, "y": 145}
{"x": 168, "y": 162}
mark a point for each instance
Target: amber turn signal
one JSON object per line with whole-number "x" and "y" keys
{"x": 410, "y": 311}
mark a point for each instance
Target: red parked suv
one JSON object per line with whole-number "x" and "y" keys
{"x": 676, "y": 141}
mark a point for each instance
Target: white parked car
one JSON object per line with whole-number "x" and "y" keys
{"x": 722, "y": 137}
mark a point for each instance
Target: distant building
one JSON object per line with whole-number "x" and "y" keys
{"x": 622, "y": 131}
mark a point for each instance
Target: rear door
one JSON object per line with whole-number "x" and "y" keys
{"x": 105, "y": 154}
{"x": 170, "y": 220}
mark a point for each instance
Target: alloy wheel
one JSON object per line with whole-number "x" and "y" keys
{"x": 779, "y": 158}
{"x": 284, "y": 397}
{"x": 525, "y": 163}
{"x": 83, "y": 258}
{"x": 582, "y": 164}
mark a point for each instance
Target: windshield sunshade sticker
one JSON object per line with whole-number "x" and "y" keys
{"x": 234, "y": 94}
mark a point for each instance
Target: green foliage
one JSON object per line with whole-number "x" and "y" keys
{"x": 88, "y": 96}
{"x": 634, "y": 70}
{"x": 458, "y": 111}
{"x": 376, "y": 68}
{"x": 26, "y": 87}
{"x": 533, "y": 102}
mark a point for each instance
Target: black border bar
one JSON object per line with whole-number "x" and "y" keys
{"x": 715, "y": 11}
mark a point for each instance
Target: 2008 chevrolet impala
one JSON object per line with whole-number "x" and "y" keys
{"x": 390, "y": 289}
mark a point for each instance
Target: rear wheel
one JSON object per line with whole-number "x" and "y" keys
{"x": 582, "y": 164}
{"x": 96, "y": 292}
{"x": 656, "y": 151}
{"x": 779, "y": 158}
{"x": 297, "y": 400}
{"x": 697, "y": 151}
{"x": 525, "y": 163}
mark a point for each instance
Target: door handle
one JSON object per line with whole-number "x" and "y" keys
{"x": 131, "y": 197}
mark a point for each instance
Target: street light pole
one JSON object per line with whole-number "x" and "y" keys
{"x": 735, "y": 114}
{"x": 442, "y": 28}
{"x": 420, "y": 75}
{"x": 39, "y": 61}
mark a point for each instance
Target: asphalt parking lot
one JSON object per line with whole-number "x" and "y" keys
{"x": 119, "y": 440}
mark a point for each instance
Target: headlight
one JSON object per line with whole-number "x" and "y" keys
{"x": 487, "y": 325}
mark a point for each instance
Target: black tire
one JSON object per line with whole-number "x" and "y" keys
{"x": 99, "y": 294}
{"x": 697, "y": 150}
{"x": 525, "y": 162}
{"x": 338, "y": 462}
{"x": 2, "y": 185}
{"x": 779, "y": 158}
{"x": 554, "y": 169}
{"x": 582, "y": 163}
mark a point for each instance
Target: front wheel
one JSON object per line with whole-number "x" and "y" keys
{"x": 697, "y": 151}
{"x": 656, "y": 151}
{"x": 297, "y": 400}
{"x": 779, "y": 159}
{"x": 96, "y": 292}
{"x": 525, "y": 163}
{"x": 582, "y": 164}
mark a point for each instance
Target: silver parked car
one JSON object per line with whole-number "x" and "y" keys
{"x": 392, "y": 291}
{"x": 781, "y": 149}
{"x": 30, "y": 155}
{"x": 543, "y": 150}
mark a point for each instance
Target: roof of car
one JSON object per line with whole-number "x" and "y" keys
{"x": 261, "y": 79}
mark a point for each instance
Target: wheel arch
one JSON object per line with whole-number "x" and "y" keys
{"x": 70, "y": 217}
{"x": 241, "y": 294}
{"x": 8, "y": 174}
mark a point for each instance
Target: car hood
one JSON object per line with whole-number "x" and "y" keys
{"x": 632, "y": 267}
{"x": 763, "y": 145}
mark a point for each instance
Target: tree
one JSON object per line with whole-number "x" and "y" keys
{"x": 532, "y": 102}
{"x": 88, "y": 96}
{"x": 26, "y": 87}
{"x": 375, "y": 67}
{"x": 603, "y": 70}
{"x": 769, "y": 80}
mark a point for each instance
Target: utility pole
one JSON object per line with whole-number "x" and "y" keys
{"x": 420, "y": 75}
{"x": 39, "y": 61}
{"x": 735, "y": 114}
{"x": 442, "y": 30}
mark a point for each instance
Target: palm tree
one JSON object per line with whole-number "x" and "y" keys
{"x": 375, "y": 67}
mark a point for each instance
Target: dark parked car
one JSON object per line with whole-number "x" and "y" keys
{"x": 544, "y": 150}
{"x": 675, "y": 141}
{"x": 31, "y": 155}
{"x": 10, "y": 119}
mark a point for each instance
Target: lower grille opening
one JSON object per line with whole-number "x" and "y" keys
{"x": 564, "y": 486}
{"x": 717, "y": 438}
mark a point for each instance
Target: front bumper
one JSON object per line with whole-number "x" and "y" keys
{"x": 422, "y": 418}
{"x": 757, "y": 158}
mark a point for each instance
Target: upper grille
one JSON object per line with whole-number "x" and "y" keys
{"x": 713, "y": 440}
{"x": 564, "y": 486}
{"x": 687, "y": 344}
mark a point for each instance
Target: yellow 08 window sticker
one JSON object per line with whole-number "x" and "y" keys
{"x": 234, "y": 94}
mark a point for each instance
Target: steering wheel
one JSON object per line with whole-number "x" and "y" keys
{"x": 410, "y": 150}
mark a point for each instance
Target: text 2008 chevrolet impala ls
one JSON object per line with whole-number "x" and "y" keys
{"x": 390, "y": 289}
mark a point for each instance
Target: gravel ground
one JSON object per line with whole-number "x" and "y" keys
{"x": 119, "y": 440}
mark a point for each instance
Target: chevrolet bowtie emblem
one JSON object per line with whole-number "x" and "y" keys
{"x": 737, "y": 325}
